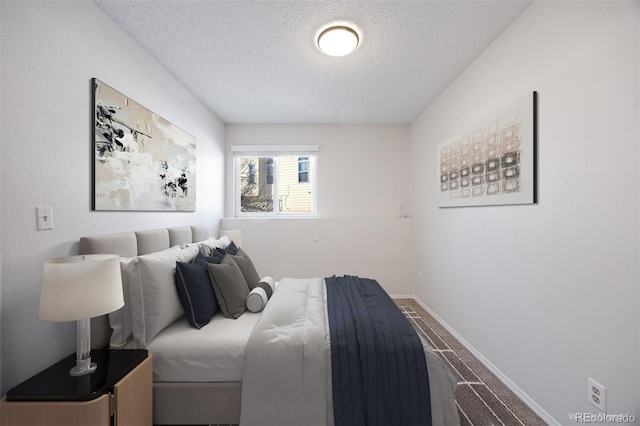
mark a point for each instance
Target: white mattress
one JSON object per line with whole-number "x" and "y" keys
{"x": 215, "y": 353}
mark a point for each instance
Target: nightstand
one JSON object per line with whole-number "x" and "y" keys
{"x": 119, "y": 392}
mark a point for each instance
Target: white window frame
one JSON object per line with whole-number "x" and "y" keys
{"x": 274, "y": 151}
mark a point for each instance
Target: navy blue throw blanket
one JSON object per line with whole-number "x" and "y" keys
{"x": 379, "y": 371}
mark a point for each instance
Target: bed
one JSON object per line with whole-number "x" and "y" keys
{"x": 239, "y": 371}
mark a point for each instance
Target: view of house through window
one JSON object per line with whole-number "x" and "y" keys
{"x": 279, "y": 184}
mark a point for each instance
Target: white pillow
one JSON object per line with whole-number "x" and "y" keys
{"x": 260, "y": 294}
{"x": 120, "y": 320}
{"x": 207, "y": 246}
{"x": 155, "y": 303}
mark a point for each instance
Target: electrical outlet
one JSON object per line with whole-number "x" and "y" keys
{"x": 44, "y": 218}
{"x": 597, "y": 395}
{"x": 420, "y": 277}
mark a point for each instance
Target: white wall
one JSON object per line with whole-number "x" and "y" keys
{"x": 362, "y": 179}
{"x": 362, "y": 169}
{"x": 372, "y": 247}
{"x": 50, "y": 52}
{"x": 547, "y": 293}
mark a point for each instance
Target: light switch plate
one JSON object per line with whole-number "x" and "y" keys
{"x": 44, "y": 218}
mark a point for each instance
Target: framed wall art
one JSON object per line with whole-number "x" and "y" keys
{"x": 494, "y": 163}
{"x": 142, "y": 162}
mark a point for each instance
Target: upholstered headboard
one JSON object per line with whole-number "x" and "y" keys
{"x": 136, "y": 243}
{"x": 131, "y": 244}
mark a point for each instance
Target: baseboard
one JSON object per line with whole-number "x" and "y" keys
{"x": 403, "y": 296}
{"x": 514, "y": 388}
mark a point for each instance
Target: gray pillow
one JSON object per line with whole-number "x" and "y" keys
{"x": 155, "y": 303}
{"x": 229, "y": 286}
{"x": 246, "y": 267}
{"x": 121, "y": 321}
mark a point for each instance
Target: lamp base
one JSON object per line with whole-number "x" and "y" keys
{"x": 83, "y": 366}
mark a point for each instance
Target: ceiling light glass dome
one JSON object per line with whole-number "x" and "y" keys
{"x": 338, "y": 40}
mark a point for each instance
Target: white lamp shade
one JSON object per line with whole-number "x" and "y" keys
{"x": 79, "y": 287}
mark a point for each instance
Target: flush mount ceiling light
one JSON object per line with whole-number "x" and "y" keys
{"x": 338, "y": 40}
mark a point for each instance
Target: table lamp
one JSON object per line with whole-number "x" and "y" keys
{"x": 78, "y": 288}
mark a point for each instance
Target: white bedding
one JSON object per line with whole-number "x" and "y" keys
{"x": 281, "y": 355}
{"x": 442, "y": 384}
{"x": 285, "y": 380}
{"x": 215, "y": 353}
{"x": 287, "y": 376}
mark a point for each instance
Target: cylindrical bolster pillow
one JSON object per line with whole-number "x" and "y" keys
{"x": 258, "y": 297}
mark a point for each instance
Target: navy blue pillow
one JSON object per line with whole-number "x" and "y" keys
{"x": 216, "y": 256}
{"x": 232, "y": 248}
{"x": 196, "y": 293}
{"x": 203, "y": 260}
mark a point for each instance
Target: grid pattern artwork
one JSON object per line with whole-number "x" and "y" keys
{"x": 492, "y": 164}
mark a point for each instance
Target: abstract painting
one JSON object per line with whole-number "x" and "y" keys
{"x": 141, "y": 161}
{"x": 494, "y": 163}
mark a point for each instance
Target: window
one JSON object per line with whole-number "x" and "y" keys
{"x": 270, "y": 171}
{"x": 274, "y": 181}
{"x": 303, "y": 169}
{"x": 256, "y": 191}
{"x": 251, "y": 173}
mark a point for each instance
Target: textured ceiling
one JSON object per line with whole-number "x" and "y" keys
{"x": 256, "y": 61}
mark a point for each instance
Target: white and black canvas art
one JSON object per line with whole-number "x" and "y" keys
{"x": 141, "y": 161}
{"x": 494, "y": 163}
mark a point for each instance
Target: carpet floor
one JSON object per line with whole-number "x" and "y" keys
{"x": 481, "y": 397}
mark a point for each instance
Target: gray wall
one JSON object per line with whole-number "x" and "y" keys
{"x": 547, "y": 293}
{"x": 50, "y": 52}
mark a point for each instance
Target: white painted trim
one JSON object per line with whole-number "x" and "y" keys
{"x": 274, "y": 149}
{"x": 501, "y": 376}
{"x": 403, "y": 296}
